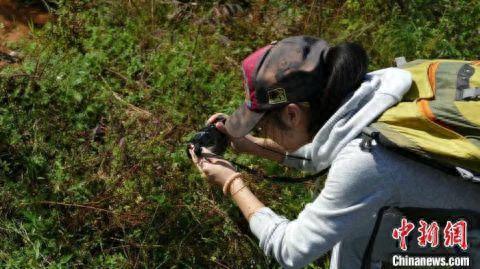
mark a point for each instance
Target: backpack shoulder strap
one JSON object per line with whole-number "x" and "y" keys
{"x": 367, "y": 256}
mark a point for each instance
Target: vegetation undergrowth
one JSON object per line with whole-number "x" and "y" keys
{"x": 94, "y": 120}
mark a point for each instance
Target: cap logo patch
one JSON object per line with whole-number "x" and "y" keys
{"x": 277, "y": 96}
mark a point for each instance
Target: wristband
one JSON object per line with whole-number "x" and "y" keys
{"x": 229, "y": 182}
{"x": 244, "y": 185}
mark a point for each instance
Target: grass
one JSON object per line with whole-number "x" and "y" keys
{"x": 94, "y": 120}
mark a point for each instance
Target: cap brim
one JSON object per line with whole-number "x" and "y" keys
{"x": 242, "y": 121}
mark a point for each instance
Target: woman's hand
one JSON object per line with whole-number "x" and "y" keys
{"x": 244, "y": 144}
{"x": 262, "y": 147}
{"x": 218, "y": 171}
{"x": 215, "y": 169}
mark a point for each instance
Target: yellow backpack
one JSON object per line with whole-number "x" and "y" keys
{"x": 438, "y": 120}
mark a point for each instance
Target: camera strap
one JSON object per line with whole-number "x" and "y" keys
{"x": 273, "y": 178}
{"x": 280, "y": 179}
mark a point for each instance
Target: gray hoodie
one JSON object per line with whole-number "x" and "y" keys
{"x": 359, "y": 183}
{"x": 380, "y": 90}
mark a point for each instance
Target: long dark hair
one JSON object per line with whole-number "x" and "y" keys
{"x": 347, "y": 65}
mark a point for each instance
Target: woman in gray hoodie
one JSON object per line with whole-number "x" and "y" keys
{"x": 311, "y": 101}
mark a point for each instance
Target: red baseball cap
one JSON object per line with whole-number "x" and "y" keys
{"x": 289, "y": 71}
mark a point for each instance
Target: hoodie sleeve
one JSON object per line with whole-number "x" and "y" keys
{"x": 352, "y": 196}
{"x": 381, "y": 90}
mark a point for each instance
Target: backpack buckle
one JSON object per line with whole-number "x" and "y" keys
{"x": 470, "y": 94}
{"x": 368, "y": 135}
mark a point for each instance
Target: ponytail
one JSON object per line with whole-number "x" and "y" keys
{"x": 347, "y": 65}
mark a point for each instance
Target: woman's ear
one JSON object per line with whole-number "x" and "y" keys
{"x": 291, "y": 115}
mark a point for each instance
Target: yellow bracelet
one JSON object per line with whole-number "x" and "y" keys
{"x": 229, "y": 182}
{"x": 244, "y": 185}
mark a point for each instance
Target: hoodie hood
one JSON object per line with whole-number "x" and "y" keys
{"x": 381, "y": 90}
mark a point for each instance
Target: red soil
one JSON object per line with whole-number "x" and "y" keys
{"x": 14, "y": 23}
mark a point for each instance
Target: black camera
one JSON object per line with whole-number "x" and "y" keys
{"x": 210, "y": 138}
